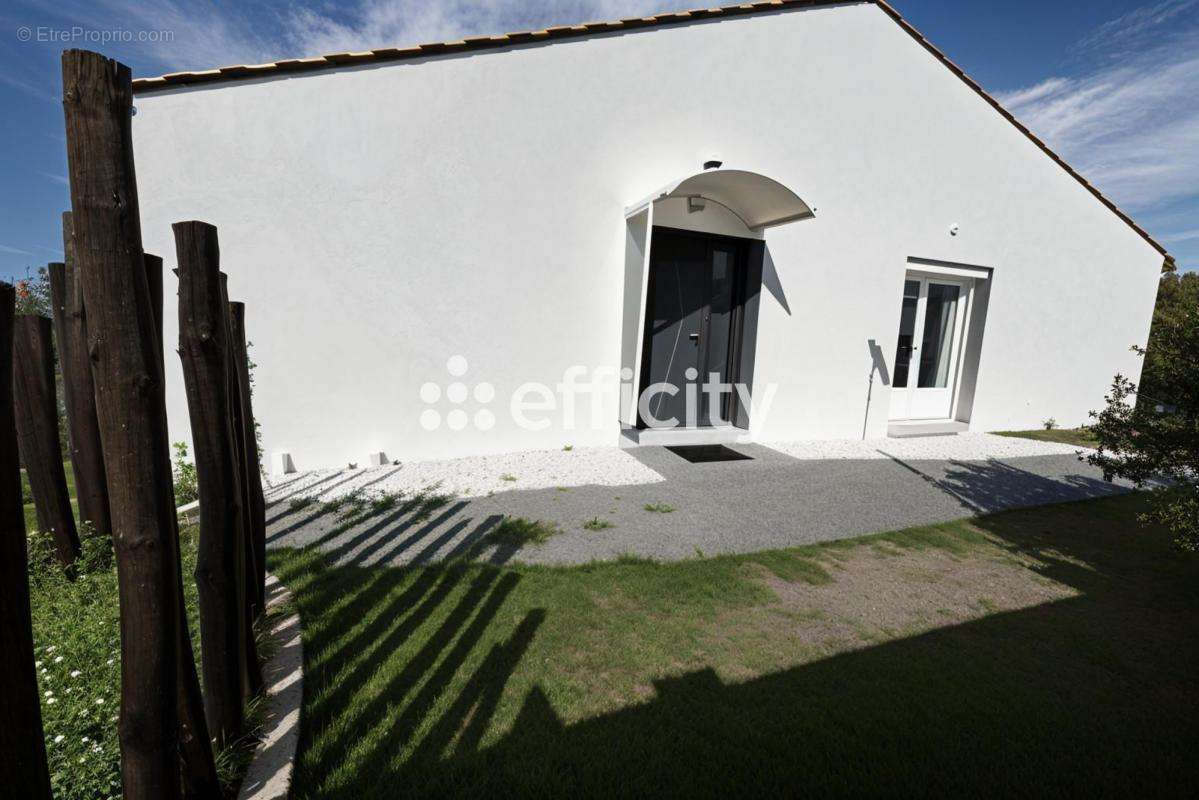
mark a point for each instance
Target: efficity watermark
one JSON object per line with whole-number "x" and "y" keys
{"x": 79, "y": 34}
{"x": 603, "y": 392}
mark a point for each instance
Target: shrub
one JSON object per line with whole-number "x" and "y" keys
{"x": 187, "y": 488}
{"x": 1155, "y": 441}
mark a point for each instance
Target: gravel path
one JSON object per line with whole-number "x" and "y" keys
{"x": 785, "y": 495}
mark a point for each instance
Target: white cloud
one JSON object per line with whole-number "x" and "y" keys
{"x": 1183, "y": 236}
{"x": 388, "y": 23}
{"x": 210, "y": 33}
{"x": 200, "y": 34}
{"x": 56, "y": 178}
{"x": 14, "y": 251}
{"x": 1136, "y": 28}
{"x": 1130, "y": 125}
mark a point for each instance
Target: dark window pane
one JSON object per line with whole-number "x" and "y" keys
{"x": 907, "y": 331}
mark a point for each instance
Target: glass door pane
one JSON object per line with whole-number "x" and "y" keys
{"x": 907, "y": 332}
{"x": 936, "y": 345}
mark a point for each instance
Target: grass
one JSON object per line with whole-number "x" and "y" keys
{"x": 76, "y": 635}
{"x": 1044, "y": 651}
{"x": 658, "y": 508}
{"x": 518, "y": 531}
{"x": 597, "y": 524}
{"x": 1080, "y": 437}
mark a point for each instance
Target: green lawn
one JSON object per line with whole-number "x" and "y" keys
{"x": 1082, "y": 437}
{"x": 1046, "y": 651}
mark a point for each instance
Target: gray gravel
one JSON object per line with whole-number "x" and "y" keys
{"x": 771, "y": 501}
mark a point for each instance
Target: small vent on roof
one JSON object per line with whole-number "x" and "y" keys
{"x": 712, "y": 164}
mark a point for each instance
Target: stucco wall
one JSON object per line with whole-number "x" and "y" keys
{"x": 378, "y": 220}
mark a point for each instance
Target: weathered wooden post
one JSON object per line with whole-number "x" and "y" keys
{"x": 79, "y": 394}
{"x": 199, "y": 769}
{"x": 130, "y": 407}
{"x": 153, "y": 266}
{"x": 220, "y": 568}
{"x": 252, "y": 673}
{"x": 23, "y": 770}
{"x": 253, "y": 467}
{"x": 37, "y": 433}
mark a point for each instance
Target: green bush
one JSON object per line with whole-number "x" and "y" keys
{"x": 187, "y": 488}
{"x": 1150, "y": 434}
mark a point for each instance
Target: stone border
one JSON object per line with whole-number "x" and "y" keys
{"x": 269, "y": 774}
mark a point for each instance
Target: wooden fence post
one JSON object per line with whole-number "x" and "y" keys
{"x": 253, "y": 467}
{"x": 23, "y": 769}
{"x": 203, "y": 348}
{"x": 37, "y": 433}
{"x": 199, "y": 768}
{"x": 79, "y": 394}
{"x": 130, "y": 408}
{"x": 252, "y": 674}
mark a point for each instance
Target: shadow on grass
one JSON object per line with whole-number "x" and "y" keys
{"x": 1094, "y": 695}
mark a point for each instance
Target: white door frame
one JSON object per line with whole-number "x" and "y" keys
{"x": 911, "y": 402}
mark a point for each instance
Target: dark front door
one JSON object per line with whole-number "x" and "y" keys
{"x": 695, "y": 285}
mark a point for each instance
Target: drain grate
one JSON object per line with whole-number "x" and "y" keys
{"x": 700, "y": 453}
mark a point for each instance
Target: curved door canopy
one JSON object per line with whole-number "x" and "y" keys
{"x": 759, "y": 201}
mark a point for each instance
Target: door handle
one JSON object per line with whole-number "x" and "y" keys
{"x": 693, "y": 337}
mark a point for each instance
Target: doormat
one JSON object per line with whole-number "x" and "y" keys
{"x": 700, "y": 453}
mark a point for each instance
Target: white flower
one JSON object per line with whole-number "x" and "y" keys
{"x": 37, "y": 663}
{"x": 51, "y": 648}
{"x": 99, "y": 701}
{"x": 49, "y": 693}
{"x": 52, "y": 700}
{"x": 82, "y": 759}
{"x": 110, "y": 662}
{"x": 75, "y": 673}
{"x": 58, "y": 738}
{"x": 85, "y": 740}
{"x": 57, "y": 659}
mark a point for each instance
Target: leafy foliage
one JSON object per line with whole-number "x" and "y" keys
{"x": 1168, "y": 374}
{"x": 1151, "y": 436}
{"x": 33, "y": 294}
{"x": 187, "y": 486}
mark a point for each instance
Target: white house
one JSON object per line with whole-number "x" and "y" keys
{"x": 462, "y": 247}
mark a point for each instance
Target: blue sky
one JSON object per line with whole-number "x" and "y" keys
{"x": 1112, "y": 86}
